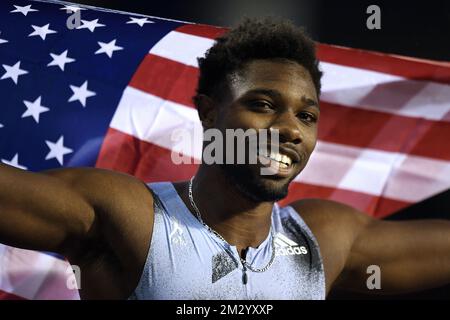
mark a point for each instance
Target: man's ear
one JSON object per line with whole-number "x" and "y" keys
{"x": 207, "y": 110}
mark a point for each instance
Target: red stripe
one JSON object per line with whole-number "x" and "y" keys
{"x": 150, "y": 163}
{"x": 166, "y": 79}
{"x": 407, "y": 67}
{"x": 202, "y": 30}
{"x": 9, "y": 296}
{"x": 373, "y": 205}
{"x": 384, "y": 131}
{"x": 146, "y": 161}
{"x": 410, "y": 68}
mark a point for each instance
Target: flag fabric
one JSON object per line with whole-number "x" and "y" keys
{"x": 110, "y": 91}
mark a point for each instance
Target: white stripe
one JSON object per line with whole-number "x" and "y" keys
{"x": 370, "y": 171}
{"x": 133, "y": 14}
{"x": 34, "y": 275}
{"x": 393, "y": 175}
{"x": 279, "y": 244}
{"x": 365, "y": 89}
{"x": 182, "y": 47}
{"x": 285, "y": 240}
{"x": 347, "y": 86}
{"x": 152, "y": 119}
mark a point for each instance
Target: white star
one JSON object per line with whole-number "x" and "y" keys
{"x": 24, "y": 9}
{"x": 14, "y": 162}
{"x": 57, "y": 150}
{"x": 13, "y": 72}
{"x": 91, "y": 25}
{"x": 1, "y": 126}
{"x": 138, "y": 21}
{"x": 3, "y": 40}
{"x": 70, "y": 9}
{"x": 42, "y": 31}
{"x": 60, "y": 60}
{"x": 34, "y": 109}
{"x": 81, "y": 93}
{"x": 108, "y": 48}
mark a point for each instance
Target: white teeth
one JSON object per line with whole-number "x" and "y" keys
{"x": 284, "y": 160}
{"x": 283, "y": 165}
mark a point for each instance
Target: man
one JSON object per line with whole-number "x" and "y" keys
{"x": 221, "y": 234}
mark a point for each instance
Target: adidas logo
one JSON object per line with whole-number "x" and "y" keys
{"x": 286, "y": 247}
{"x": 176, "y": 236}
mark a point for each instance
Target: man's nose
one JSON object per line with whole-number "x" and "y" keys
{"x": 289, "y": 128}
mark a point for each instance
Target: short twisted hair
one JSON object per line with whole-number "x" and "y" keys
{"x": 252, "y": 39}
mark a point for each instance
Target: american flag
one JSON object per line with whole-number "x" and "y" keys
{"x": 109, "y": 92}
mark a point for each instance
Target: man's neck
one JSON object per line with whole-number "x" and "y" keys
{"x": 241, "y": 221}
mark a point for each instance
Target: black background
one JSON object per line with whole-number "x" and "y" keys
{"x": 412, "y": 28}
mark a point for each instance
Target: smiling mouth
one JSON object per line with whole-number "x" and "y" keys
{"x": 283, "y": 161}
{"x": 276, "y": 164}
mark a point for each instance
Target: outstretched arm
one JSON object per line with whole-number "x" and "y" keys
{"x": 99, "y": 219}
{"x": 41, "y": 212}
{"x": 57, "y": 210}
{"x": 411, "y": 255}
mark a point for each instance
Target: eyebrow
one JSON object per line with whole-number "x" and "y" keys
{"x": 275, "y": 94}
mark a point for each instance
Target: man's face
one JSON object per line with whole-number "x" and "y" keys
{"x": 270, "y": 94}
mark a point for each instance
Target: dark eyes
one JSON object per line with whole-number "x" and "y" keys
{"x": 308, "y": 117}
{"x": 259, "y": 104}
{"x": 265, "y": 106}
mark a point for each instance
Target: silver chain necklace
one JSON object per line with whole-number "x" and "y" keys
{"x": 245, "y": 264}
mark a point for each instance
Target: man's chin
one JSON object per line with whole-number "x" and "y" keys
{"x": 257, "y": 187}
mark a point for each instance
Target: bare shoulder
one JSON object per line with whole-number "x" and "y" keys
{"x": 122, "y": 203}
{"x": 94, "y": 181}
{"x": 333, "y": 223}
{"x": 336, "y": 226}
{"x": 115, "y": 251}
{"x": 109, "y": 192}
{"x": 324, "y": 214}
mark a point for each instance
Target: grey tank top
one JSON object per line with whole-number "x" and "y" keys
{"x": 185, "y": 261}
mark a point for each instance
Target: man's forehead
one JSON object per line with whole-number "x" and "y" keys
{"x": 277, "y": 76}
{"x": 280, "y": 95}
